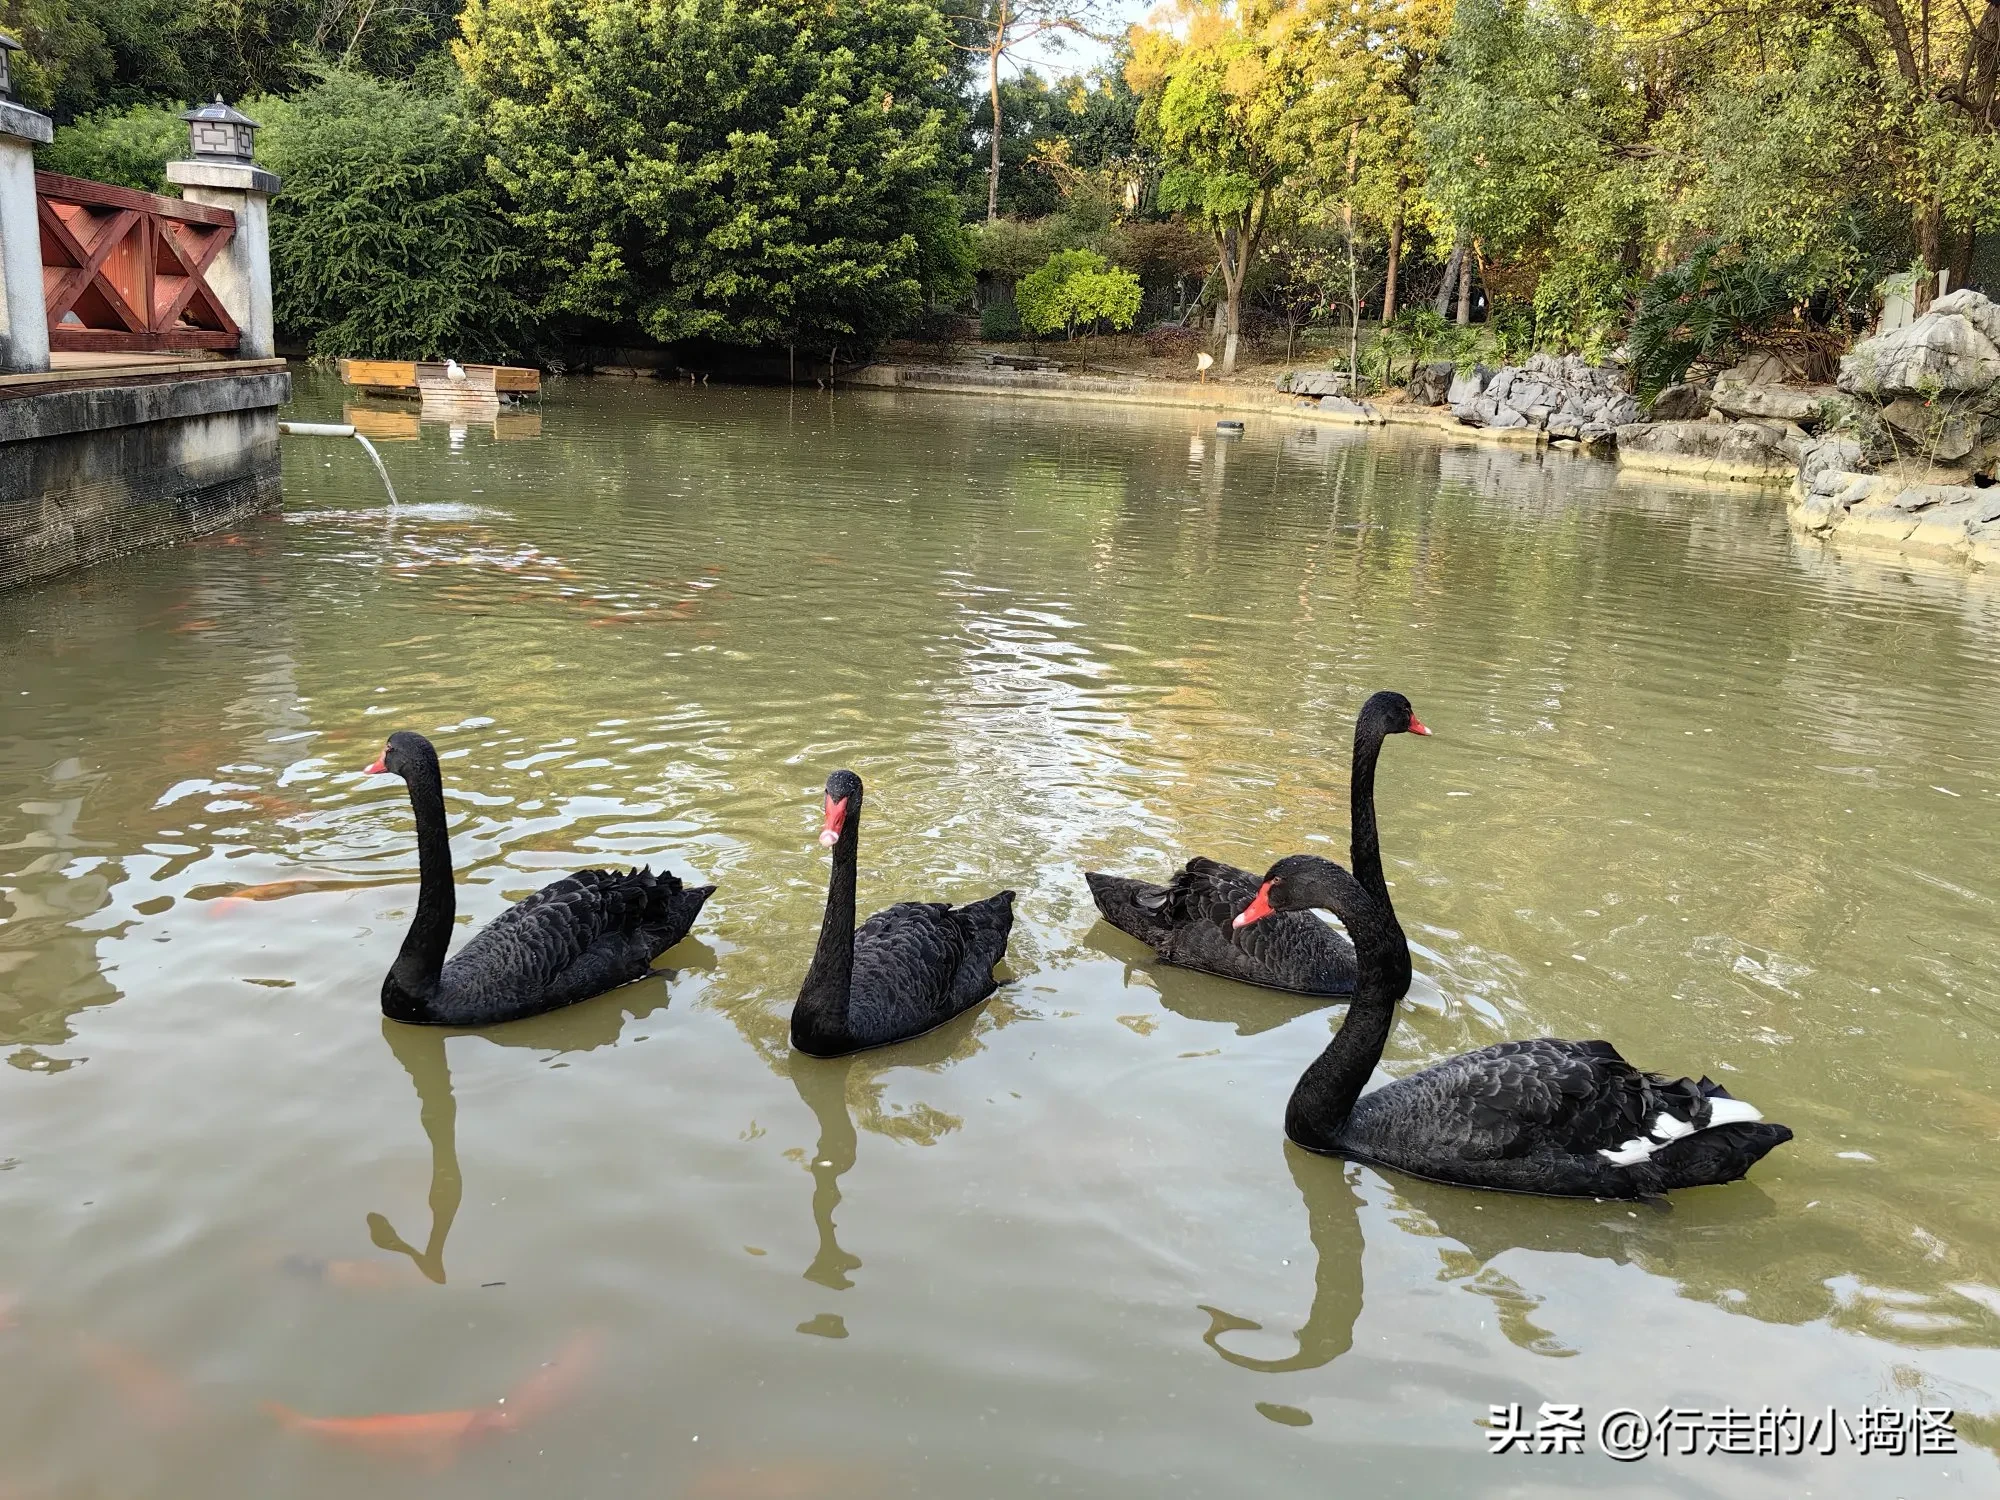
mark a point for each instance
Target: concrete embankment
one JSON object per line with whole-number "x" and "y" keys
{"x": 102, "y": 460}
{"x": 1694, "y": 456}
{"x": 1221, "y": 396}
{"x": 1825, "y": 443}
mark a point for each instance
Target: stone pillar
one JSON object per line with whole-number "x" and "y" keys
{"x": 241, "y": 274}
{"x": 24, "y": 318}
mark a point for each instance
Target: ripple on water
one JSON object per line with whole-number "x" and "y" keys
{"x": 1683, "y": 793}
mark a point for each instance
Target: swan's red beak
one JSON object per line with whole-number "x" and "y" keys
{"x": 836, "y": 819}
{"x": 1258, "y": 909}
{"x": 1417, "y": 725}
{"x": 381, "y": 765}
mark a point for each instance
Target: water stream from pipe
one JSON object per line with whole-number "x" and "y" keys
{"x": 344, "y": 429}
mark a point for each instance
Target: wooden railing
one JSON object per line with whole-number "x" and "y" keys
{"x": 125, "y": 271}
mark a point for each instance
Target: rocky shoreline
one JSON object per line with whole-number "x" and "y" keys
{"x": 1901, "y": 452}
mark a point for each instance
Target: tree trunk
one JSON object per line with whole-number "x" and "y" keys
{"x": 1395, "y": 255}
{"x": 1930, "y": 251}
{"x": 1353, "y": 275}
{"x": 1237, "y": 245}
{"x": 1354, "y": 310}
{"x": 1450, "y": 283}
{"x": 1961, "y": 258}
{"x": 1465, "y": 287}
{"x": 1232, "y": 291}
{"x": 993, "y": 87}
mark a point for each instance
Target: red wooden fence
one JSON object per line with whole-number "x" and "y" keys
{"x": 126, "y": 271}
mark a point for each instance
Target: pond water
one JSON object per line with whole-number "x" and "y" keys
{"x": 1728, "y": 801}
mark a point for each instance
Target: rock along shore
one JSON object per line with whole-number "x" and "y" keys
{"x": 1902, "y": 453}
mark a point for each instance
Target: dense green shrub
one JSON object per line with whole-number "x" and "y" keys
{"x": 1077, "y": 288}
{"x": 749, "y": 171}
{"x": 388, "y": 239}
{"x": 937, "y": 326}
{"x": 84, "y": 57}
{"x": 1419, "y": 335}
{"x": 999, "y": 320}
{"x": 1008, "y": 249}
{"x": 127, "y": 146}
{"x": 1580, "y": 307}
{"x": 1702, "y": 310}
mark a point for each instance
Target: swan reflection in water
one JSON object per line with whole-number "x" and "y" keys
{"x": 1333, "y": 1223}
{"x": 421, "y": 1050}
{"x": 840, "y": 1090}
{"x": 1200, "y": 997}
{"x": 1472, "y": 1230}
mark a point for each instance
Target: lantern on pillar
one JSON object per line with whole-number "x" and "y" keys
{"x": 8, "y": 47}
{"x": 218, "y": 133}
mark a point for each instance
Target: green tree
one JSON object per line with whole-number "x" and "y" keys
{"x": 127, "y": 146}
{"x": 995, "y": 30}
{"x": 1522, "y": 125}
{"x": 1223, "y": 88}
{"x": 1084, "y": 123}
{"x": 1901, "y": 98}
{"x": 1039, "y": 295}
{"x": 389, "y": 239}
{"x": 66, "y": 63}
{"x": 1077, "y": 288}
{"x": 1098, "y": 297}
{"x": 1031, "y": 111}
{"x": 88, "y": 56}
{"x": 749, "y": 171}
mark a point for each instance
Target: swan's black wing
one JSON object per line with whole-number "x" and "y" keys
{"x": 1516, "y": 1098}
{"x": 984, "y": 927}
{"x": 1192, "y": 919}
{"x": 574, "y": 938}
{"x": 1132, "y": 906}
{"x": 1558, "y": 1117}
{"x": 906, "y": 958}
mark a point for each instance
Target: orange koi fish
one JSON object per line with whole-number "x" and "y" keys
{"x": 555, "y": 1382}
{"x": 271, "y": 803}
{"x": 433, "y": 1439}
{"x": 429, "y": 1439}
{"x": 278, "y": 890}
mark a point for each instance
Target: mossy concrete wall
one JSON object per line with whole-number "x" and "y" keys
{"x": 95, "y": 466}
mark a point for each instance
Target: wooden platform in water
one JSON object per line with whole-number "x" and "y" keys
{"x": 401, "y": 424}
{"x": 395, "y": 377}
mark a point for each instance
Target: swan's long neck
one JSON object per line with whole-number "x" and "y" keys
{"x": 1326, "y": 1092}
{"x": 1365, "y": 844}
{"x": 413, "y": 978}
{"x": 831, "y": 975}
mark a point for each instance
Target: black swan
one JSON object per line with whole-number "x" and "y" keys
{"x": 574, "y": 938}
{"x": 1561, "y": 1119}
{"x": 909, "y": 968}
{"x": 1188, "y": 922}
